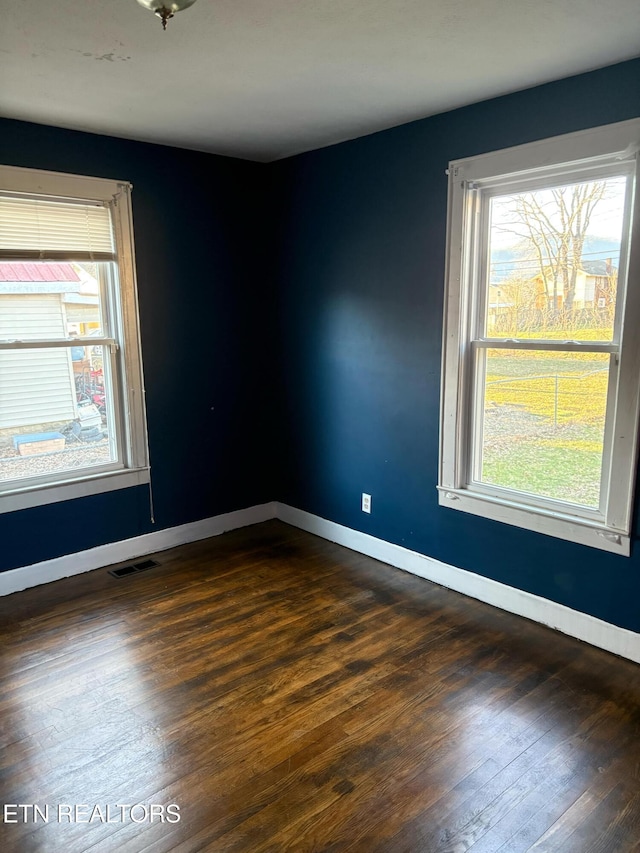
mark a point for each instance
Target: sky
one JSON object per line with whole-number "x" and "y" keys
{"x": 606, "y": 219}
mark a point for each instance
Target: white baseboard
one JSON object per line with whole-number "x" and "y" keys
{"x": 116, "y": 552}
{"x": 620, "y": 641}
{"x": 594, "y": 631}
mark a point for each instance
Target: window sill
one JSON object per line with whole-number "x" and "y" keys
{"x": 538, "y": 520}
{"x": 70, "y": 489}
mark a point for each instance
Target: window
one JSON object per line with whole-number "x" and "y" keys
{"x": 72, "y": 419}
{"x": 539, "y": 414}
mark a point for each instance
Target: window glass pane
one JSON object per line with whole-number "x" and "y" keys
{"x": 55, "y": 413}
{"x": 543, "y": 418}
{"x": 50, "y": 301}
{"x": 553, "y": 266}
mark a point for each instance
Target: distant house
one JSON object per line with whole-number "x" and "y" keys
{"x": 602, "y": 278}
{"x": 40, "y": 301}
{"x": 595, "y": 287}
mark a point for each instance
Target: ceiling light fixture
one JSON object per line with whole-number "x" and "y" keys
{"x": 166, "y": 9}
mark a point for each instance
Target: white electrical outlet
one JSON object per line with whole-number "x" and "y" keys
{"x": 366, "y": 503}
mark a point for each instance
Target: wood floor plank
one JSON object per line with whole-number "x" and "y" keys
{"x": 291, "y": 695}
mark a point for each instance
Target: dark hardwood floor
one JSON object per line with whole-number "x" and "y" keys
{"x": 290, "y": 695}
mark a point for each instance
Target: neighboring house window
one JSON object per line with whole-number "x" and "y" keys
{"x": 541, "y": 359}
{"x": 72, "y": 419}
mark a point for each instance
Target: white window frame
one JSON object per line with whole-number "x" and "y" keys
{"x": 123, "y": 350}
{"x": 574, "y": 156}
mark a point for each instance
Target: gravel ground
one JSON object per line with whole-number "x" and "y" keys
{"x": 73, "y": 456}
{"x": 520, "y": 440}
{"x": 505, "y": 426}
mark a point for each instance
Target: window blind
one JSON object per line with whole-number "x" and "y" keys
{"x": 44, "y": 229}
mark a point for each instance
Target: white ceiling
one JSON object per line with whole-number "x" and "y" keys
{"x": 263, "y": 79}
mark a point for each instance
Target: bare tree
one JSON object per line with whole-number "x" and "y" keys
{"x": 554, "y": 225}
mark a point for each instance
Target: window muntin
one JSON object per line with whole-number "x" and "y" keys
{"x": 72, "y": 416}
{"x": 533, "y": 427}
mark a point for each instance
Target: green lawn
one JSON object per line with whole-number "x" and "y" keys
{"x": 563, "y": 470}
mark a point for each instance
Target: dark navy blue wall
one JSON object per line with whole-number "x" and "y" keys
{"x": 350, "y": 240}
{"x": 205, "y": 293}
{"x": 361, "y": 288}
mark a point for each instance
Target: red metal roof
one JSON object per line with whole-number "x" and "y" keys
{"x": 39, "y": 271}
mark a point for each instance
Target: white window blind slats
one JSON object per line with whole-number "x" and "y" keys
{"x": 54, "y": 230}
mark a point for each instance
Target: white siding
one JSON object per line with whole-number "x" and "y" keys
{"x": 28, "y": 316}
{"x": 36, "y": 386}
